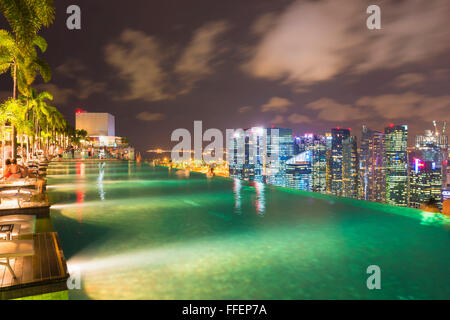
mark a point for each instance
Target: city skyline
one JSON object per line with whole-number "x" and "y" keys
{"x": 379, "y": 168}
{"x": 158, "y": 69}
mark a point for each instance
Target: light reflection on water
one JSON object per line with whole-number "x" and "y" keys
{"x": 146, "y": 233}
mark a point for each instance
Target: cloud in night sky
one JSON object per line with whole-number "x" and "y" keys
{"x": 138, "y": 58}
{"x": 141, "y": 61}
{"x": 147, "y": 116}
{"x": 317, "y": 41}
{"x": 409, "y": 105}
{"x": 331, "y": 110}
{"x": 245, "y": 109}
{"x": 408, "y": 80}
{"x": 390, "y": 107}
{"x": 82, "y": 86}
{"x": 277, "y": 120}
{"x": 296, "y": 118}
{"x": 196, "y": 62}
{"x": 276, "y": 104}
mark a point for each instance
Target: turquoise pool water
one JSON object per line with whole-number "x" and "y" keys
{"x": 138, "y": 232}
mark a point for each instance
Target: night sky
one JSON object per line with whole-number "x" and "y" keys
{"x": 306, "y": 65}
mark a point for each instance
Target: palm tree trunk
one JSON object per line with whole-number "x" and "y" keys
{"x": 13, "y": 136}
{"x": 28, "y": 147}
{"x": 3, "y": 146}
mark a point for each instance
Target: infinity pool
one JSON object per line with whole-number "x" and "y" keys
{"x": 138, "y": 232}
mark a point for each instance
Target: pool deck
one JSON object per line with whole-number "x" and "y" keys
{"x": 39, "y": 208}
{"x": 44, "y": 272}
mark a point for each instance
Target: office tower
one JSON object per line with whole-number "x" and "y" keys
{"x": 428, "y": 167}
{"x": 280, "y": 144}
{"x": 350, "y": 172}
{"x": 328, "y": 140}
{"x": 307, "y": 169}
{"x": 425, "y": 181}
{"x": 260, "y": 154}
{"x": 299, "y": 171}
{"x": 372, "y": 183}
{"x": 95, "y": 124}
{"x": 236, "y": 154}
{"x": 318, "y": 165}
{"x": 246, "y": 154}
{"x": 396, "y": 143}
{"x": 302, "y": 143}
{"x": 335, "y": 161}
{"x": 434, "y": 147}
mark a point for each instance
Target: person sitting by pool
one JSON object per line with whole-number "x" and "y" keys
{"x": 6, "y": 170}
{"x": 15, "y": 170}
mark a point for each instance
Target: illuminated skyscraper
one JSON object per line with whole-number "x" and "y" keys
{"x": 299, "y": 171}
{"x": 319, "y": 165}
{"x": 279, "y": 143}
{"x": 335, "y": 161}
{"x": 428, "y": 167}
{"x": 372, "y": 167}
{"x": 307, "y": 169}
{"x": 434, "y": 148}
{"x": 246, "y": 154}
{"x": 350, "y": 172}
{"x": 260, "y": 154}
{"x": 317, "y": 147}
{"x": 396, "y": 144}
{"x": 425, "y": 181}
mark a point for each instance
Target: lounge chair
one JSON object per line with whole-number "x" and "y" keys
{"x": 20, "y": 228}
{"x": 8, "y": 235}
{"x": 17, "y": 217}
{"x": 21, "y": 183}
{"x": 15, "y": 249}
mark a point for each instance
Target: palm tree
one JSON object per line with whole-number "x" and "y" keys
{"x": 18, "y": 53}
{"x": 37, "y": 106}
{"x": 27, "y": 17}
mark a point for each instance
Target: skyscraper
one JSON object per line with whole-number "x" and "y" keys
{"x": 350, "y": 172}
{"x": 307, "y": 169}
{"x": 428, "y": 167}
{"x": 319, "y": 165}
{"x": 335, "y": 161}
{"x": 299, "y": 171}
{"x": 396, "y": 144}
{"x": 372, "y": 166}
{"x": 279, "y": 143}
{"x": 434, "y": 148}
{"x": 260, "y": 154}
{"x": 425, "y": 181}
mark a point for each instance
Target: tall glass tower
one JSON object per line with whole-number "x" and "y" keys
{"x": 279, "y": 143}
{"x": 335, "y": 161}
{"x": 260, "y": 154}
{"x": 372, "y": 182}
{"x": 350, "y": 173}
{"x": 396, "y": 144}
{"x": 434, "y": 147}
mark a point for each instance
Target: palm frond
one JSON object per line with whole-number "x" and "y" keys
{"x": 41, "y": 43}
{"x": 44, "y": 69}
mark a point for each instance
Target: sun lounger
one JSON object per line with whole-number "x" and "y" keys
{"x": 23, "y": 224}
{"x": 20, "y": 228}
{"x": 14, "y": 233}
{"x": 18, "y": 183}
{"x": 17, "y": 217}
{"x": 15, "y": 249}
